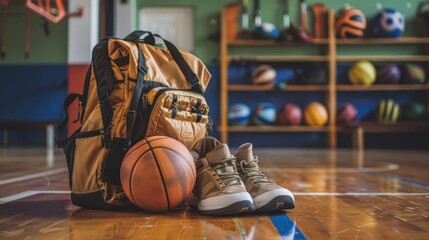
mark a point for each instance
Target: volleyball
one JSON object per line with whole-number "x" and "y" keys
{"x": 362, "y": 72}
{"x": 265, "y": 114}
{"x": 239, "y": 114}
{"x": 264, "y": 75}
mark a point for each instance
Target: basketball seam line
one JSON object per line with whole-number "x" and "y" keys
{"x": 161, "y": 137}
{"x": 181, "y": 157}
{"x": 132, "y": 173}
{"x": 162, "y": 177}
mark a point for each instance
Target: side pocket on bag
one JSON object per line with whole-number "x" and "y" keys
{"x": 112, "y": 166}
{"x": 69, "y": 149}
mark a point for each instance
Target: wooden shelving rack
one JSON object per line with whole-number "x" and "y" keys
{"x": 331, "y": 89}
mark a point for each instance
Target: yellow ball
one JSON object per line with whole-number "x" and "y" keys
{"x": 363, "y": 72}
{"x": 315, "y": 114}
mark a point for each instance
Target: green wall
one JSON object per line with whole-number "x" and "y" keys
{"x": 207, "y": 22}
{"x": 53, "y": 48}
{"x": 43, "y": 49}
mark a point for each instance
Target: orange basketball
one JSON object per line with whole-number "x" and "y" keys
{"x": 158, "y": 173}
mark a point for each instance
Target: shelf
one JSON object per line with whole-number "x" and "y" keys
{"x": 374, "y": 41}
{"x": 383, "y": 87}
{"x": 307, "y": 58}
{"x": 400, "y": 58}
{"x": 274, "y": 43}
{"x": 375, "y": 127}
{"x": 271, "y": 88}
{"x": 277, "y": 129}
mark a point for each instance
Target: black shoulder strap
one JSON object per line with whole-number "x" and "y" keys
{"x": 131, "y": 115}
{"x": 190, "y": 76}
{"x": 149, "y": 38}
{"x": 104, "y": 78}
{"x": 61, "y": 131}
{"x": 85, "y": 91}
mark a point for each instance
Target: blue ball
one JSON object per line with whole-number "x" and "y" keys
{"x": 266, "y": 31}
{"x": 265, "y": 114}
{"x": 239, "y": 114}
{"x": 388, "y": 23}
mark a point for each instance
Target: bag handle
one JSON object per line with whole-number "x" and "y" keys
{"x": 149, "y": 38}
{"x": 137, "y": 35}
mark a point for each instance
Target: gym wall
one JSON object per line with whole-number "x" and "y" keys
{"x": 39, "y": 80}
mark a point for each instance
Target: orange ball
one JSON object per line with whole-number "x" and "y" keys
{"x": 158, "y": 173}
{"x": 316, "y": 114}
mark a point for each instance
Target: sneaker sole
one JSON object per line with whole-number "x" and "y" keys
{"x": 277, "y": 204}
{"x": 236, "y": 203}
{"x": 274, "y": 200}
{"x": 242, "y": 207}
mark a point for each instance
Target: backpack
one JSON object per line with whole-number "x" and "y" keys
{"x": 135, "y": 87}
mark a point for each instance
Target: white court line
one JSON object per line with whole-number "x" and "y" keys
{"x": 31, "y": 176}
{"x": 28, "y": 194}
{"x": 359, "y": 194}
{"x": 31, "y": 193}
{"x": 388, "y": 167}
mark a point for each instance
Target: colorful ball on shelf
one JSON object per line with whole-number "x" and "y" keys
{"x": 388, "y": 23}
{"x": 289, "y": 114}
{"x": 350, "y": 23}
{"x": 347, "y": 114}
{"x": 413, "y": 74}
{"x": 388, "y": 111}
{"x": 266, "y": 31}
{"x": 264, "y": 114}
{"x": 315, "y": 114}
{"x": 362, "y": 72}
{"x": 239, "y": 114}
{"x": 388, "y": 73}
{"x": 264, "y": 75}
{"x": 413, "y": 111}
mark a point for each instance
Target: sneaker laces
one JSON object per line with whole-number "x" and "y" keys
{"x": 252, "y": 171}
{"x": 223, "y": 170}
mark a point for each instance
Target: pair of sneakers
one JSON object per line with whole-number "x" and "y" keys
{"x": 233, "y": 184}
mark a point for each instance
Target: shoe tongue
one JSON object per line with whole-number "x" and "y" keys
{"x": 219, "y": 153}
{"x": 245, "y": 152}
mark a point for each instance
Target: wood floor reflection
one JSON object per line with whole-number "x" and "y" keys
{"x": 339, "y": 195}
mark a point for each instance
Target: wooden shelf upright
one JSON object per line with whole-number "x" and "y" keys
{"x": 331, "y": 58}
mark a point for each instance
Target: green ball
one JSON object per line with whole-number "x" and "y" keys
{"x": 413, "y": 111}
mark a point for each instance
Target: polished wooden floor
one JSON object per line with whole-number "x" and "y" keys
{"x": 339, "y": 195}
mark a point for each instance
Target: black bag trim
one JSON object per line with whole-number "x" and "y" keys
{"x": 132, "y": 114}
{"x": 112, "y": 166}
{"x": 61, "y": 131}
{"x": 94, "y": 200}
{"x": 104, "y": 78}
{"x": 89, "y": 133}
{"x": 149, "y": 38}
{"x": 122, "y": 61}
{"x": 85, "y": 91}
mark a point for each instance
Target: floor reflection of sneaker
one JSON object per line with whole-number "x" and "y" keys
{"x": 267, "y": 196}
{"x": 219, "y": 189}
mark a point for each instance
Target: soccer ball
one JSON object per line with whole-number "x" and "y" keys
{"x": 389, "y": 23}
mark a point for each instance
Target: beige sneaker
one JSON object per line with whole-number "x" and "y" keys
{"x": 267, "y": 196}
{"x": 219, "y": 189}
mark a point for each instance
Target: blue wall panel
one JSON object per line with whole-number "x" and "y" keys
{"x": 33, "y": 93}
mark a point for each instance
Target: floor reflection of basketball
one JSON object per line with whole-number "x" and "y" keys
{"x": 158, "y": 173}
